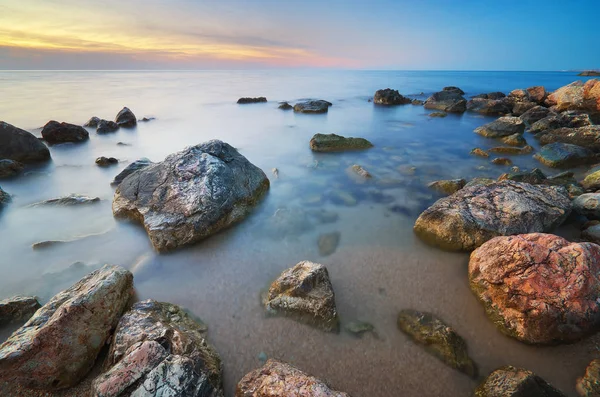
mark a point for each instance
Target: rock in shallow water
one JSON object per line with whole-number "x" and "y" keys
{"x": 438, "y": 339}
{"x": 336, "y": 143}
{"x": 476, "y": 214}
{"x": 106, "y": 161}
{"x": 564, "y": 155}
{"x": 504, "y": 126}
{"x": 55, "y": 132}
{"x": 19, "y": 145}
{"x": 106, "y": 126}
{"x": 125, "y": 118}
{"x": 448, "y": 101}
{"x": 389, "y": 97}
{"x": 10, "y": 168}
{"x": 515, "y": 382}
{"x": 158, "y": 347}
{"x": 315, "y": 106}
{"x": 538, "y": 288}
{"x": 71, "y": 199}
{"x": 247, "y": 100}
{"x": 18, "y": 308}
{"x": 130, "y": 169}
{"x": 328, "y": 243}
{"x": 62, "y": 340}
{"x": 277, "y": 379}
{"x": 191, "y": 195}
{"x": 305, "y": 293}
{"x": 447, "y": 187}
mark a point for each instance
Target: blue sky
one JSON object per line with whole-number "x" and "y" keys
{"x": 378, "y": 34}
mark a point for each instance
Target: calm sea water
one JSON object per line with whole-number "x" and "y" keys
{"x": 379, "y": 266}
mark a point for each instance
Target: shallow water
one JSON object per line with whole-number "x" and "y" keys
{"x": 379, "y": 267}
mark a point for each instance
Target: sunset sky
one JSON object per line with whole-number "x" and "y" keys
{"x": 375, "y": 34}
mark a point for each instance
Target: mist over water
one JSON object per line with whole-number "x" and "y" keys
{"x": 379, "y": 267}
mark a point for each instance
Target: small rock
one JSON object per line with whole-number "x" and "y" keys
{"x": 502, "y": 161}
{"x": 389, "y": 97}
{"x": 147, "y": 119}
{"x": 343, "y": 197}
{"x": 514, "y": 140}
{"x": 438, "y": 114}
{"x": 479, "y": 152}
{"x": 317, "y": 106}
{"x": 275, "y": 173}
{"x": 285, "y": 106}
{"x": 511, "y": 150}
{"x": 592, "y": 181}
{"x": 328, "y": 243}
{"x": 359, "y": 328}
{"x": 71, "y": 199}
{"x": 333, "y": 143}
{"x": 324, "y": 216}
{"x": 447, "y": 187}
{"x": 417, "y": 102}
{"x": 447, "y": 101}
{"x": 125, "y": 118}
{"x": 504, "y": 126}
{"x": 438, "y": 338}
{"x": 591, "y": 234}
{"x": 535, "y": 177}
{"x": 10, "y": 168}
{"x": 93, "y": 122}
{"x": 106, "y": 161}
{"x": 17, "y": 309}
{"x": 106, "y": 126}
{"x": 262, "y": 357}
{"x": 588, "y": 205}
{"x": 360, "y": 171}
{"x": 243, "y": 101}
{"x": 305, "y": 293}
{"x": 515, "y": 382}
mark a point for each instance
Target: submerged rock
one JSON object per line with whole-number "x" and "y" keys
{"x": 62, "y": 340}
{"x": 10, "y": 168}
{"x": 504, "y": 126}
{"x": 55, "y": 132}
{"x": 587, "y": 136}
{"x": 447, "y": 187}
{"x": 285, "y": 106}
{"x": 479, "y": 152}
{"x": 438, "y": 339}
{"x": 106, "y": 126}
{"x": 336, "y": 143}
{"x": 360, "y": 171}
{"x": 305, "y": 293}
{"x": 71, "y": 199}
{"x": 511, "y": 150}
{"x": 18, "y": 308}
{"x": 359, "y": 328}
{"x": 106, "y": 161}
{"x": 447, "y": 101}
{"x": 514, "y": 140}
{"x": 538, "y": 288}
{"x": 476, "y": 214}
{"x": 315, "y": 106}
{"x": 93, "y": 122}
{"x": 247, "y": 100}
{"x": 130, "y": 169}
{"x": 589, "y": 384}
{"x": 191, "y": 195}
{"x": 158, "y": 346}
{"x": 502, "y": 161}
{"x": 509, "y": 381}
{"x": 125, "y": 118}
{"x": 438, "y": 114}
{"x": 564, "y": 155}
{"x": 328, "y": 243}
{"x": 277, "y": 379}
{"x": 22, "y": 146}
{"x": 389, "y": 97}
{"x": 588, "y": 205}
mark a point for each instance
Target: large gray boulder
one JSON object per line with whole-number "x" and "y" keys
{"x": 57, "y": 347}
{"x": 55, "y": 132}
{"x": 448, "y": 101}
{"x": 20, "y": 145}
{"x": 191, "y": 195}
{"x": 504, "y": 126}
{"x": 158, "y": 346}
{"x": 476, "y": 214}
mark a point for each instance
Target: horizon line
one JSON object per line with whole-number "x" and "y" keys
{"x": 291, "y": 69}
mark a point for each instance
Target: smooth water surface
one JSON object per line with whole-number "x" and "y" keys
{"x": 379, "y": 267}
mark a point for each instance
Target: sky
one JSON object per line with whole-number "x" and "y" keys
{"x": 262, "y": 34}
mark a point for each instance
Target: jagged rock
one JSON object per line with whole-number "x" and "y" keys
{"x": 509, "y": 381}
{"x": 4, "y": 198}
{"x": 260, "y": 99}
{"x": 191, "y": 195}
{"x": 55, "y": 132}
{"x": 479, "y": 152}
{"x": 389, "y": 97}
{"x": 518, "y": 95}
{"x": 18, "y": 308}
{"x": 125, "y": 118}
{"x": 62, "y": 340}
{"x": 277, "y": 379}
{"x": 511, "y": 150}
{"x": 130, "y": 169}
{"x": 328, "y": 243}
{"x": 489, "y": 106}
{"x": 514, "y": 140}
{"x": 448, "y": 101}
{"x": 554, "y": 121}
{"x": 157, "y": 346}
{"x": 537, "y": 94}
{"x": 559, "y": 155}
{"x": 447, "y": 187}
{"x": 106, "y": 126}
{"x": 535, "y": 177}
{"x": 314, "y": 106}
{"x": 502, "y": 161}
{"x": 438, "y": 338}
{"x": 285, "y": 106}
{"x": 504, "y": 126}
{"x": 577, "y": 96}
{"x": 538, "y": 288}
{"x": 71, "y": 199}
{"x": 522, "y": 107}
{"x": 305, "y": 293}
{"x": 592, "y": 181}
{"x": 10, "y": 168}
{"x": 589, "y": 384}
{"x": 106, "y": 161}
{"x": 93, "y": 122}
{"x": 588, "y": 205}
{"x": 19, "y": 145}
{"x": 335, "y": 143}
{"x": 476, "y": 214}
{"x": 588, "y": 136}
{"x": 535, "y": 114}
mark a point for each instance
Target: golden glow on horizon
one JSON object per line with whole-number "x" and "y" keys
{"x": 38, "y": 25}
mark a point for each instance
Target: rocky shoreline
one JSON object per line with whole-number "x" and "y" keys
{"x": 534, "y": 286}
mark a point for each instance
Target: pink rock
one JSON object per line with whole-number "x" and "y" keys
{"x": 538, "y": 288}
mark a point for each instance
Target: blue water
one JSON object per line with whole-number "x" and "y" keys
{"x": 379, "y": 266}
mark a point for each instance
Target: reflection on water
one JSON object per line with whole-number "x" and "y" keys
{"x": 378, "y": 268}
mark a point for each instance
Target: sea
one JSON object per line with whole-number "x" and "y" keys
{"x": 379, "y": 267}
